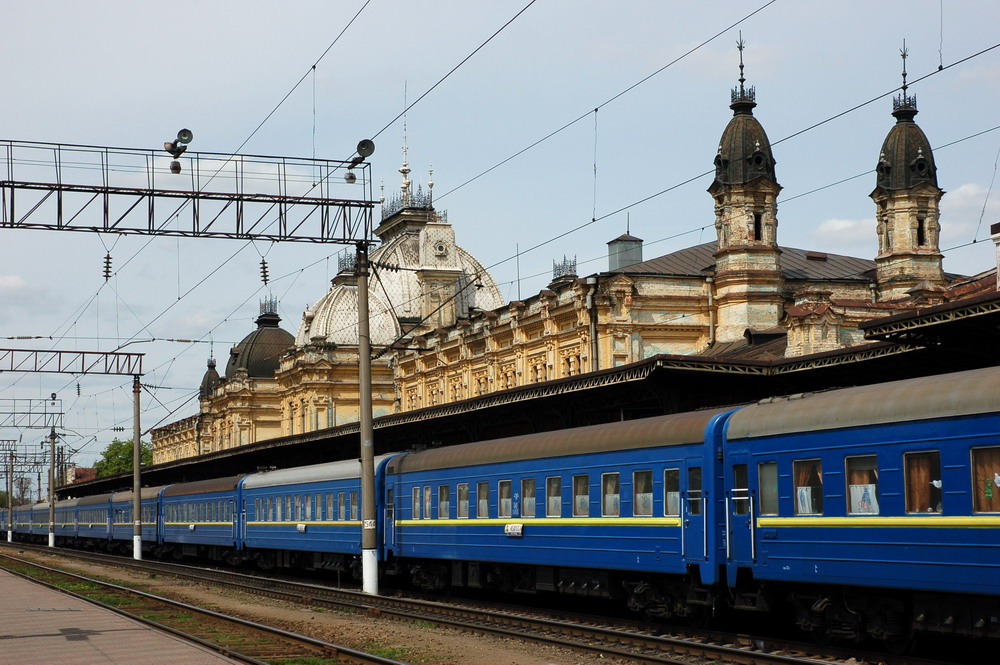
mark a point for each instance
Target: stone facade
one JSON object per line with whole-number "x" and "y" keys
{"x": 458, "y": 341}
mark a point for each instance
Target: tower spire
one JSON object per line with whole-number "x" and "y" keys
{"x": 743, "y": 98}
{"x": 405, "y": 168}
{"x": 904, "y": 106}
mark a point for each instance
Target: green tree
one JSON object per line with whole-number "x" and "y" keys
{"x": 3, "y": 500}
{"x": 117, "y": 457}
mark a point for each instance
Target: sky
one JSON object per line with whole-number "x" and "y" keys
{"x": 659, "y": 74}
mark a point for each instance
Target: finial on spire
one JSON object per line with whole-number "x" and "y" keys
{"x": 405, "y": 168}
{"x": 430, "y": 185}
{"x": 740, "y": 45}
{"x": 742, "y": 98}
{"x": 904, "y": 106}
{"x": 903, "y": 53}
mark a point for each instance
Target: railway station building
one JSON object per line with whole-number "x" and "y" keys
{"x": 443, "y": 335}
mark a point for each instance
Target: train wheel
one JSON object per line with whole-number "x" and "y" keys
{"x": 901, "y": 644}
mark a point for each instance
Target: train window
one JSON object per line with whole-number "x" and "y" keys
{"x": 444, "y": 502}
{"x": 463, "y": 499}
{"x": 390, "y": 506}
{"x": 808, "y": 486}
{"x": 309, "y": 506}
{"x": 256, "y": 508}
{"x": 862, "y": 485}
{"x": 581, "y": 496}
{"x": 671, "y": 492}
{"x": 741, "y": 492}
{"x": 694, "y": 490}
{"x": 299, "y": 510}
{"x": 342, "y": 505}
{"x": 483, "y": 499}
{"x": 553, "y": 496}
{"x": 610, "y": 495}
{"x": 986, "y": 479}
{"x": 427, "y": 502}
{"x": 642, "y": 493}
{"x": 319, "y": 506}
{"x": 504, "y": 504}
{"x": 767, "y": 480}
{"x": 354, "y": 505}
{"x": 270, "y": 509}
{"x": 289, "y": 515}
{"x": 330, "y": 515}
{"x": 527, "y": 497}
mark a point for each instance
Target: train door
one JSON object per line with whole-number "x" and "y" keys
{"x": 239, "y": 521}
{"x": 739, "y": 522}
{"x": 389, "y": 526}
{"x": 693, "y": 512}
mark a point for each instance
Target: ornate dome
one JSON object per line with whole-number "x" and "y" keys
{"x": 906, "y": 159}
{"x": 209, "y": 381}
{"x": 334, "y": 318}
{"x": 259, "y": 351}
{"x": 744, "y": 150}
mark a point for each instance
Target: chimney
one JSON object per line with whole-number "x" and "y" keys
{"x": 624, "y": 250}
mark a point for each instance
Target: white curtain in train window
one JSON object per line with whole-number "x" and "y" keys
{"x": 864, "y": 500}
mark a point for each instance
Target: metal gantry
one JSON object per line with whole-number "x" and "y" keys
{"x": 249, "y": 197}
{"x": 60, "y": 187}
{"x": 70, "y": 362}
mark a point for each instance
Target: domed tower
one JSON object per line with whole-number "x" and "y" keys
{"x": 748, "y": 277}
{"x": 259, "y": 351}
{"x": 907, "y": 200}
{"x": 210, "y": 381}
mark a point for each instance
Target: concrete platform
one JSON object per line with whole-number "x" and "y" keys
{"x": 39, "y": 626}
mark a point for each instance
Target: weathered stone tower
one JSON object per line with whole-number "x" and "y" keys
{"x": 748, "y": 277}
{"x": 907, "y": 200}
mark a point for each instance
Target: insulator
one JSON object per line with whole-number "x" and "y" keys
{"x": 263, "y": 270}
{"x": 77, "y": 388}
{"x": 107, "y": 267}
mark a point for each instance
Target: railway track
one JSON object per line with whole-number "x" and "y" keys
{"x": 622, "y": 641}
{"x": 241, "y": 640}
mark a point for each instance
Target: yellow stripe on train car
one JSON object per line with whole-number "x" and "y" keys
{"x": 873, "y": 521}
{"x": 548, "y": 521}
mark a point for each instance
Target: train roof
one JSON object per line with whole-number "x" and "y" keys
{"x": 676, "y": 429}
{"x": 307, "y": 474}
{"x": 227, "y": 484}
{"x": 144, "y": 492}
{"x": 95, "y": 498}
{"x": 945, "y": 395}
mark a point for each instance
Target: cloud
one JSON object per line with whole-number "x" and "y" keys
{"x": 11, "y": 283}
{"x": 963, "y": 214}
{"x": 854, "y": 237}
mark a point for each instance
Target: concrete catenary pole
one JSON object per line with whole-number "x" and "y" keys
{"x": 136, "y": 464}
{"x": 52, "y": 487}
{"x": 369, "y": 532}
{"x": 10, "y": 499}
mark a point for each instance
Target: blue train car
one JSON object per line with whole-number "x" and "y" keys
{"x": 67, "y": 523}
{"x": 308, "y": 517}
{"x": 22, "y": 521}
{"x": 200, "y": 518}
{"x": 876, "y": 508}
{"x": 122, "y": 506}
{"x": 621, "y": 508}
{"x": 94, "y": 521}
{"x": 39, "y": 525}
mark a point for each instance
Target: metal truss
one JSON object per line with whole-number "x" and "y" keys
{"x": 115, "y": 190}
{"x": 31, "y": 413}
{"x": 913, "y": 327}
{"x": 70, "y": 362}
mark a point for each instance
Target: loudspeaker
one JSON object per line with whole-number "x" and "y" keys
{"x": 366, "y": 147}
{"x": 184, "y": 136}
